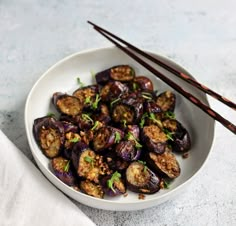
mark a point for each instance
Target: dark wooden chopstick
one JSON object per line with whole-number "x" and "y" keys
{"x": 172, "y": 70}
{"x": 165, "y": 79}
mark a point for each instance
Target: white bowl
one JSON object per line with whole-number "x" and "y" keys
{"x": 63, "y": 77}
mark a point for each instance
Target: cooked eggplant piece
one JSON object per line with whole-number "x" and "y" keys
{"x": 69, "y": 127}
{"x": 151, "y": 107}
{"x": 122, "y": 73}
{"x": 113, "y": 90}
{"x": 70, "y": 140}
{"x": 115, "y": 163}
{"x": 180, "y": 139}
{"x": 91, "y": 189}
{"x": 182, "y": 144}
{"x": 62, "y": 169}
{"x": 154, "y": 139}
{"x": 49, "y": 134}
{"x": 127, "y": 150}
{"x": 164, "y": 164}
{"x": 128, "y": 110}
{"x": 87, "y": 164}
{"x": 141, "y": 179}
{"x": 105, "y": 137}
{"x": 103, "y": 115}
{"x": 84, "y": 121}
{"x": 166, "y": 101}
{"x": 134, "y": 130}
{"x": 86, "y": 94}
{"x": 142, "y": 83}
{"x": 113, "y": 185}
{"x": 67, "y": 104}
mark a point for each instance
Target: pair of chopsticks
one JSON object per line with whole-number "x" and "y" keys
{"x": 111, "y": 37}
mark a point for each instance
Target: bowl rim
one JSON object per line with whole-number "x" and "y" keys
{"x": 105, "y": 201}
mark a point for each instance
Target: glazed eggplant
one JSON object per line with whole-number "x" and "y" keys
{"x": 166, "y": 101}
{"x": 141, "y": 179}
{"x": 142, "y": 83}
{"x": 128, "y": 110}
{"x": 122, "y": 73}
{"x": 50, "y": 135}
{"x": 92, "y": 189}
{"x": 182, "y": 144}
{"x": 154, "y": 139}
{"x": 86, "y": 95}
{"x": 127, "y": 150}
{"x": 67, "y": 104}
{"x": 134, "y": 130}
{"x": 70, "y": 140}
{"x": 164, "y": 164}
{"x": 113, "y": 90}
{"x": 62, "y": 169}
{"x": 152, "y": 107}
{"x": 180, "y": 139}
{"x": 115, "y": 163}
{"x": 105, "y": 137}
{"x": 113, "y": 185}
{"x": 87, "y": 163}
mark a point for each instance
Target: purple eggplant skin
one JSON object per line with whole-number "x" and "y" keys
{"x": 118, "y": 186}
{"x": 165, "y": 165}
{"x": 182, "y": 144}
{"x": 66, "y": 104}
{"x": 141, "y": 179}
{"x": 69, "y": 127}
{"x": 113, "y": 90}
{"x": 122, "y": 73}
{"x": 129, "y": 109}
{"x": 62, "y": 170}
{"x": 115, "y": 163}
{"x": 49, "y": 134}
{"x": 134, "y": 130}
{"x": 105, "y": 137}
{"x": 142, "y": 83}
{"x": 127, "y": 151}
{"x": 151, "y": 107}
{"x": 166, "y": 101}
{"x": 154, "y": 139}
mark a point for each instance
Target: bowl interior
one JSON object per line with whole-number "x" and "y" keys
{"x": 63, "y": 77}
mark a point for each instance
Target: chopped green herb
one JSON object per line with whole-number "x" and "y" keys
{"x": 170, "y": 114}
{"x": 135, "y": 86}
{"x": 50, "y": 114}
{"x": 115, "y": 177}
{"x": 95, "y": 125}
{"x": 114, "y": 101}
{"x": 141, "y": 124}
{"x": 130, "y": 136}
{"x": 124, "y": 122}
{"x": 74, "y": 140}
{"x": 87, "y": 117}
{"x": 166, "y": 184}
{"x": 87, "y": 100}
{"x": 95, "y": 103}
{"x": 67, "y": 166}
{"x": 117, "y": 137}
{"x": 79, "y": 82}
{"x": 89, "y": 160}
{"x": 169, "y": 134}
{"x": 153, "y": 118}
{"x": 147, "y": 95}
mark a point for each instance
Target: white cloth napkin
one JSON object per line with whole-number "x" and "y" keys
{"x": 27, "y": 198}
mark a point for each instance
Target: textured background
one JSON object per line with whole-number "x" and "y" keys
{"x": 200, "y": 35}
